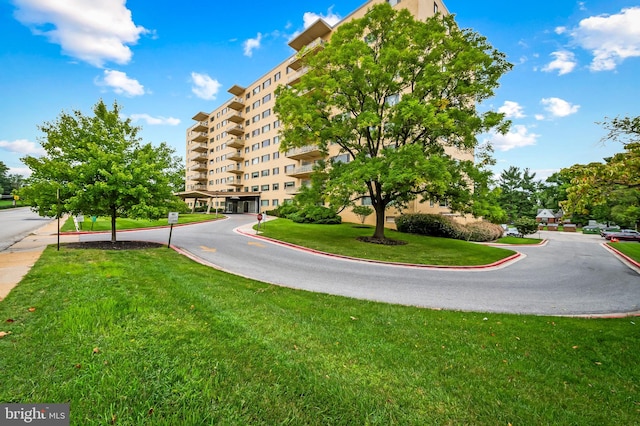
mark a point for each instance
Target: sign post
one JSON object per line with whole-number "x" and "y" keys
{"x": 259, "y": 220}
{"x": 173, "y": 218}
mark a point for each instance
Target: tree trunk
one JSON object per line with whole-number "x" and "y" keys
{"x": 113, "y": 224}
{"x": 379, "y": 232}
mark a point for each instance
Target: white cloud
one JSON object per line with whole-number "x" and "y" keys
{"x": 512, "y": 110}
{"x": 92, "y": 31}
{"x": 539, "y": 117}
{"x": 559, "y": 107}
{"x": 564, "y": 62}
{"x": 152, "y": 121}
{"x": 517, "y": 137}
{"x": 204, "y": 86}
{"x": 560, "y": 30}
{"x": 251, "y": 44}
{"x": 23, "y": 171}
{"x": 610, "y": 38}
{"x": 22, "y": 146}
{"x": 121, "y": 83}
{"x": 330, "y": 18}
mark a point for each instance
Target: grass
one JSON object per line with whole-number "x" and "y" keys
{"x": 518, "y": 240}
{"x": 8, "y": 204}
{"x": 341, "y": 239}
{"x": 104, "y": 223}
{"x": 630, "y": 249}
{"x": 150, "y": 337}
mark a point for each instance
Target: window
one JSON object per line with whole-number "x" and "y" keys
{"x": 247, "y": 109}
{"x": 264, "y": 173}
{"x": 276, "y": 140}
{"x": 276, "y": 155}
{"x": 264, "y": 188}
{"x": 275, "y": 186}
{"x": 266, "y": 98}
{"x": 266, "y": 158}
{"x": 289, "y": 168}
{"x": 254, "y": 188}
{"x": 246, "y": 163}
{"x": 266, "y": 83}
{"x": 274, "y": 202}
{"x": 255, "y": 175}
{"x": 266, "y": 128}
{"x": 255, "y": 146}
{"x": 264, "y": 203}
{"x": 392, "y": 100}
{"x": 276, "y": 124}
{"x": 255, "y": 118}
{"x": 435, "y": 7}
{"x": 266, "y": 143}
{"x": 277, "y": 76}
{"x": 256, "y": 90}
{"x": 276, "y": 170}
{"x": 246, "y": 176}
{"x": 256, "y": 104}
{"x": 255, "y": 133}
{"x": 393, "y": 2}
{"x": 289, "y": 184}
{"x": 266, "y": 113}
{"x": 343, "y": 158}
{"x": 255, "y": 160}
{"x": 366, "y": 201}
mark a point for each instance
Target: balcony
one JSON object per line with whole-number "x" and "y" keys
{"x": 235, "y": 143}
{"x": 234, "y": 116}
{"x": 236, "y": 90}
{"x": 237, "y": 183}
{"x": 295, "y": 77}
{"x": 318, "y": 29}
{"x": 198, "y": 147}
{"x": 197, "y": 187}
{"x": 198, "y": 167}
{"x": 302, "y": 171}
{"x": 236, "y": 103}
{"x": 201, "y": 116}
{"x": 309, "y": 152}
{"x": 236, "y": 130}
{"x": 293, "y": 190}
{"x": 296, "y": 62}
{"x": 237, "y": 170}
{"x": 236, "y": 156}
{"x": 198, "y": 156}
{"x": 198, "y": 177}
{"x": 200, "y": 126}
{"x": 198, "y": 137}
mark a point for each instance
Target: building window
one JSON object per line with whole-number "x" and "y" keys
{"x": 393, "y": 2}
{"x": 246, "y": 176}
{"x": 365, "y": 201}
{"x": 276, "y": 140}
{"x": 265, "y": 172}
{"x": 266, "y": 128}
{"x": 254, "y": 188}
{"x": 392, "y": 100}
{"x": 266, "y": 158}
{"x": 256, "y": 90}
{"x": 435, "y": 7}
{"x": 264, "y": 203}
{"x": 256, "y": 104}
{"x": 277, "y": 76}
{"x": 264, "y": 188}
{"x": 255, "y": 160}
{"x": 266, "y": 98}
{"x": 255, "y": 146}
{"x": 247, "y": 109}
{"x": 255, "y": 175}
{"x": 266, "y": 143}
{"x": 276, "y": 155}
{"x": 275, "y": 186}
{"x": 276, "y": 170}
{"x": 266, "y": 113}
{"x": 255, "y": 118}
{"x": 255, "y": 133}
{"x": 274, "y": 202}
{"x": 266, "y": 83}
{"x": 276, "y": 124}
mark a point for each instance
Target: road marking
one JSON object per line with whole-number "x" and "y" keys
{"x": 252, "y": 243}
{"x": 209, "y": 249}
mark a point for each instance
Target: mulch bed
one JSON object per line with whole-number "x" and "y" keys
{"x": 118, "y": 245}
{"x": 383, "y": 241}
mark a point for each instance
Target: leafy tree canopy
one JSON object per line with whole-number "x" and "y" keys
{"x": 98, "y": 166}
{"x": 610, "y": 191}
{"x": 399, "y": 97}
{"x": 518, "y": 193}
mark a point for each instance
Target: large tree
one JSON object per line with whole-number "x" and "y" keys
{"x": 518, "y": 193}
{"x": 610, "y": 190}
{"x": 399, "y": 97}
{"x": 97, "y": 165}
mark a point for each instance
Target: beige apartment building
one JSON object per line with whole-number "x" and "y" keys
{"x": 234, "y": 162}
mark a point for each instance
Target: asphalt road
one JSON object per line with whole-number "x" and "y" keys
{"x": 571, "y": 275}
{"x": 15, "y": 224}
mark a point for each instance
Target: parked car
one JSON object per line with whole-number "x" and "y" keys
{"x": 624, "y": 235}
{"x": 512, "y": 232}
{"x": 609, "y": 229}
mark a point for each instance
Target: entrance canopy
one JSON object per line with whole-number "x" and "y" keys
{"x": 233, "y": 202}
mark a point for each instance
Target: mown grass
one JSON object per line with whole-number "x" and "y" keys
{"x": 630, "y": 249}
{"x": 8, "y": 204}
{"x": 341, "y": 239}
{"x": 104, "y": 223}
{"x": 150, "y": 337}
{"x": 517, "y": 240}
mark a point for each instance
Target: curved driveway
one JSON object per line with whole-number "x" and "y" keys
{"x": 571, "y": 275}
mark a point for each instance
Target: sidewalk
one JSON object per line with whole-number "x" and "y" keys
{"x": 18, "y": 259}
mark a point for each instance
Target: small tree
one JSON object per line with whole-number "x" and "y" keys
{"x": 98, "y": 166}
{"x": 526, "y": 225}
{"x": 398, "y": 96}
{"x": 362, "y": 212}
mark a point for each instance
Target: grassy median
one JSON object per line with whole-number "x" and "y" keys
{"x": 150, "y": 337}
{"x": 103, "y": 223}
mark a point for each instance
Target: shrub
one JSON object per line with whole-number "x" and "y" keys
{"x": 316, "y": 214}
{"x": 434, "y": 225}
{"x": 284, "y": 210}
{"x": 526, "y": 225}
{"x": 484, "y": 231}
{"x": 362, "y": 212}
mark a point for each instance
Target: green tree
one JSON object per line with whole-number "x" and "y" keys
{"x": 5, "y": 184}
{"x": 399, "y": 97}
{"x": 610, "y": 191}
{"x": 362, "y": 212}
{"x": 99, "y": 166}
{"x": 518, "y": 190}
{"x": 554, "y": 190}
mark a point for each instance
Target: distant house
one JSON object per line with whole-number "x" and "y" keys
{"x": 548, "y": 216}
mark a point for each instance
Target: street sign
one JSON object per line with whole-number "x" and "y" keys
{"x": 173, "y": 218}
{"x": 259, "y": 217}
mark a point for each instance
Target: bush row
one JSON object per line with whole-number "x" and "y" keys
{"x": 436, "y": 225}
{"x": 307, "y": 214}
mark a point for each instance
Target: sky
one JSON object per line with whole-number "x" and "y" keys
{"x": 576, "y": 64}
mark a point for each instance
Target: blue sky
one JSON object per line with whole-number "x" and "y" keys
{"x": 575, "y": 63}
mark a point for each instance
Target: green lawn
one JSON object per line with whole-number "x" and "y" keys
{"x": 341, "y": 239}
{"x": 630, "y": 249}
{"x": 150, "y": 337}
{"x": 8, "y": 204}
{"x": 517, "y": 240}
{"x": 104, "y": 223}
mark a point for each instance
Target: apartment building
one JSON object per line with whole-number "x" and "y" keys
{"x": 234, "y": 162}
